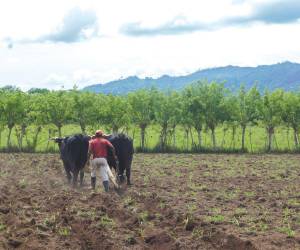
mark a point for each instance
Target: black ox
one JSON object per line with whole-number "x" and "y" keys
{"x": 74, "y": 154}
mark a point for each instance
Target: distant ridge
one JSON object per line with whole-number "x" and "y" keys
{"x": 284, "y": 75}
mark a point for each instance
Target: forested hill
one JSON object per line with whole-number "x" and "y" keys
{"x": 282, "y": 75}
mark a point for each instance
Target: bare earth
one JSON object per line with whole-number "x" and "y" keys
{"x": 177, "y": 202}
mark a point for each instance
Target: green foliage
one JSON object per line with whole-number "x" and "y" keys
{"x": 167, "y": 122}
{"x": 142, "y": 110}
{"x": 83, "y": 109}
{"x": 117, "y": 112}
{"x": 57, "y": 106}
{"x": 271, "y": 113}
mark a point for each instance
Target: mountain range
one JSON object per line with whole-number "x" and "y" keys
{"x": 284, "y": 75}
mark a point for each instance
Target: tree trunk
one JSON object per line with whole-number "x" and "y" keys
{"x": 83, "y": 128}
{"x": 270, "y": 138}
{"x": 174, "y": 137}
{"x": 143, "y": 130}
{"x": 59, "y": 130}
{"x": 199, "y": 138}
{"x": 187, "y": 138}
{"x": 8, "y": 137}
{"x": 35, "y": 138}
{"x": 192, "y": 137}
{"x": 49, "y": 136}
{"x": 243, "y": 137}
{"x": 233, "y": 136}
{"x": 163, "y": 137}
{"x": 213, "y": 137}
{"x": 288, "y": 137}
{"x": 18, "y": 135}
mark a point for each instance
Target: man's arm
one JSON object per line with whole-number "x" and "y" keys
{"x": 112, "y": 148}
{"x": 113, "y": 151}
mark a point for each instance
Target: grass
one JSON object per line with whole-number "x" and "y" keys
{"x": 23, "y": 183}
{"x": 287, "y": 230}
{"x": 143, "y": 216}
{"x": 129, "y": 201}
{"x": 218, "y": 218}
{"x": 64, "y": 231}
{"x": 106, "y": 222}
{"x": 50, "y": 221}
{"x": 198, "y": 232}
{"x": 2, "y": 227}
{"x": 284, "y": 143}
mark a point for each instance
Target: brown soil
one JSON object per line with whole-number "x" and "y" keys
{"x": 176, "y": 202}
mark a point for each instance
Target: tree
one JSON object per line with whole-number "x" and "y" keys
{"x": 24, "y": 118}
{"x": 142, "y": 113}
{"x": 247, "y": 109}
{"x": 291, "y": 113}
{"x": 166, "y": 108}
{"x": 193, "y": 109}
{"x": 83, "y": 108}
{"x": 38, "y": 91}
{"x": 271, "y": 113}
{"x": 116, "y": 112}
{"x": 57, "y": 105}
{"x": 12, "y": 110}
{"x": 213, "y": 100}
{"x": 2, "y": 120}
{"x": 37, "y": 117}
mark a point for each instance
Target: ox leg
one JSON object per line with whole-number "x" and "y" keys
{"x": 121, "y": 175}
{"x": 81, "y": 177}
{"x": 128, "y": 172}
{"x": 68, "y": 173}
{"x": 75, "y": 176}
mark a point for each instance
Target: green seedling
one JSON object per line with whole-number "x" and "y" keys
{"x": 249, "y": 194}
{"x": 198, "y": 232}
{"x": 2, "y": 227}
{"x": 64, "y": 231}
{"x": 23, "y": 183}
{"x": 106, "y": 222}
{"x": 287, "y": 230}
{"x": 143, "y": 216}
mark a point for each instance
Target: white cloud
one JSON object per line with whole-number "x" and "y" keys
{"x": 114, "y": 55}
{"x": 77, "y": 25}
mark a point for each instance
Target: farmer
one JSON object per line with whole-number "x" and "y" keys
{"x": 98, "y": 147}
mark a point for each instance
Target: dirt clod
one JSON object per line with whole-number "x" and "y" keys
{"x": 14, "y": 242}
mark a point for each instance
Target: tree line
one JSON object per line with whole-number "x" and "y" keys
{"x": 200, "y": 106}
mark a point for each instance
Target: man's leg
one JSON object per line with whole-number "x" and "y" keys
{"x": 104, "y": 176}
{"x": 93, "y": 173}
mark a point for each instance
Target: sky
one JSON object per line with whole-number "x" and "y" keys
{"x": 59, "y": 43}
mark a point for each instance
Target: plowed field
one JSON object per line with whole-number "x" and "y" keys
{"x": 176, "y": 202}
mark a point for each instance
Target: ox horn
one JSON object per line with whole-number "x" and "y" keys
{"x": 56, "y": 139}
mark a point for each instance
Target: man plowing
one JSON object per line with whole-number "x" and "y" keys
{"x": 98, "y": 147}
